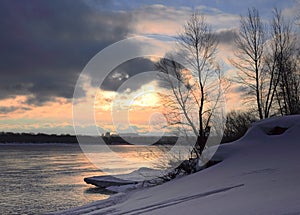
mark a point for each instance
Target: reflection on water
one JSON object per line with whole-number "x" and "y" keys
{"x": 123, "y": 159}
{"x": 41, "y": 178}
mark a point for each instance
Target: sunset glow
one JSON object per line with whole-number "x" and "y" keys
{"x": 40, "y": 68}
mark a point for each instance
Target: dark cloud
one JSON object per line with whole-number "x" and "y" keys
{"x": 127, "y": 70}
{"x": 226, "y": 36}
{"x": 241, "y": 89}
{"x": 5, "y": 110}
{"x": 46, "y": 44}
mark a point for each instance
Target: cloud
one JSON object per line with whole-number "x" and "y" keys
{"x": 241, "y": 89}
{"x": 46, "y": 44}
{"x": 226, "y": 37}
{"x": 127, "y": 70}
{"x": 293, "y": 12}
{"x": 4, "y": 110}
{"x": 159, "y": 19}
{"x": 169, "y": 20}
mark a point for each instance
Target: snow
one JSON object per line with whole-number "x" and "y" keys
{"x": 259, "y": 174}
{"x": 123, "y": 182}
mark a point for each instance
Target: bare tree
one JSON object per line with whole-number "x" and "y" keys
{"x": 267, "y": 63}
{"x": 272, "y": 58}
{"x": 249, "y": 56}
{"x": 190, "y": 104}
{"x": 285, "y": 64}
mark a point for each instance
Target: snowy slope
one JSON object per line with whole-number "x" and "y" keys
{"x": 259, "y": 174}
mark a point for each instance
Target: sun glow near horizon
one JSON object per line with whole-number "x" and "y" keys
{"x": 140, "y": 108}
{"x": 39, "y": 70}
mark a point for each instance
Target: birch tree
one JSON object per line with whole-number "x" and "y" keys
{"x": 190, "y": 104}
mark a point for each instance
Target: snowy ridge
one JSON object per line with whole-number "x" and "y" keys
{"x": 259, "y": 174}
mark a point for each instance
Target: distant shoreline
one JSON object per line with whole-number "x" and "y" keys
{"x": 10, "y": 137}
{"x": 41, "y": 138}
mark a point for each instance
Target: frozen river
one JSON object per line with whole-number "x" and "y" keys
{"x": 41, "y": 178}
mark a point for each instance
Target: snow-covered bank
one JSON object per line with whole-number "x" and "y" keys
{"x": 259, "y": 174}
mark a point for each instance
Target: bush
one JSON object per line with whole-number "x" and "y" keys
{"x": 237, "y": 123}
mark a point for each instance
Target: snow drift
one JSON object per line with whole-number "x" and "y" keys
{"x": 259, "y": 174}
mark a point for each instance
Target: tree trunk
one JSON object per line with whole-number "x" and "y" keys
{"x": 201, "y": 142}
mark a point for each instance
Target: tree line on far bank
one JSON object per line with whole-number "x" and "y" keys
{"x": 11, "y": 137}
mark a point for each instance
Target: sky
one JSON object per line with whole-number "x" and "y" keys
{"x": 46, "y": 44}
